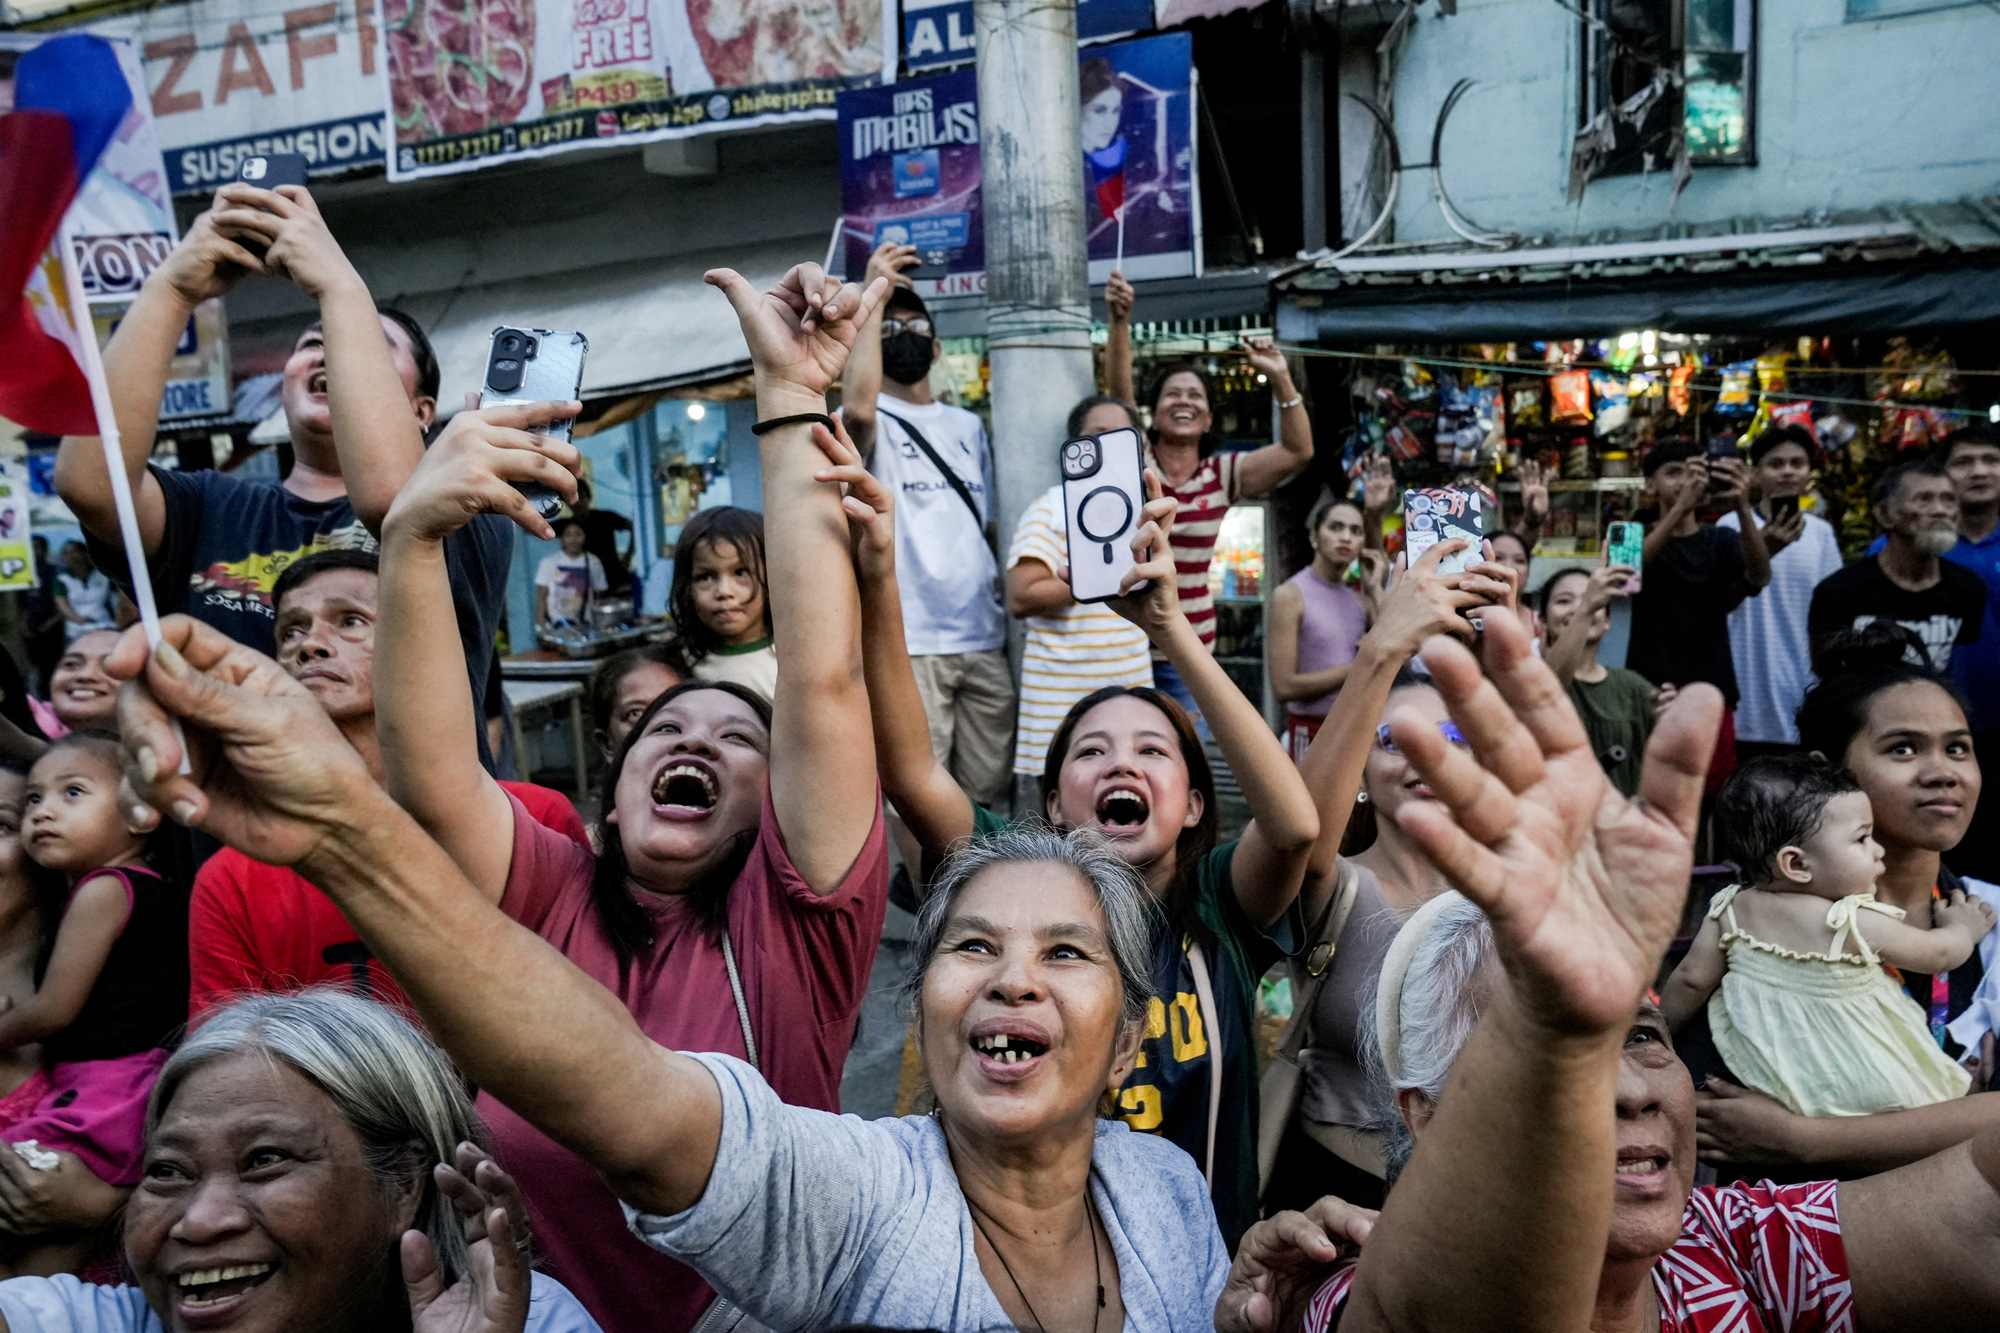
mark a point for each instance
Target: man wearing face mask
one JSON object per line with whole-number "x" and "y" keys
{"x": 1943, "y": 603}
{"x": 938, "y": 461}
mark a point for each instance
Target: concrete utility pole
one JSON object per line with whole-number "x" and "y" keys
{"x": 1037, "y": 276}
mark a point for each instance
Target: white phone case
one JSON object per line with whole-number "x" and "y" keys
{"x": 553, "y": 375}
{"x": 1104, "y": 497}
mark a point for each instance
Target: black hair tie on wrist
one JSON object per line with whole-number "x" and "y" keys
{"x": 802, "y": 419}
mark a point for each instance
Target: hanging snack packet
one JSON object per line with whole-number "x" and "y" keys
{"x": 1678, "y": 397}
{"x": 1614, "y": 408}
{"x": 1735, "y": 396}
{"x": 1569, "y": 395}
{"x": 1524, "y": 405}
{"x": 1795, "y": 414}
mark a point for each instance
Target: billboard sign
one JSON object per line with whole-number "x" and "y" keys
{"x": 909, "y": 173}
{"x": 938, "y": 33}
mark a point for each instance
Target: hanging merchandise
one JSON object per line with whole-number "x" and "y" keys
{"x": 1734, "y": 400}
{"x": 1794, "y": 414}
{"x": 1613, "y": 406}
{"x": 1524, "y": 405}
{"x": 1569, "y": 394}
{"x": 1403, "y": 443}
{"x": 1677, "y": 389}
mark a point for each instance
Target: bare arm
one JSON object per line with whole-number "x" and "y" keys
{"x": 1571, "y": 649}
{"x": 1696, "y": 978}
{"x": 1954, "y": 1284}
{"x": 1756, "y": 551}
{"x": 1119, "y": 297}
{"x": 1378, "y": 497}
{"x": 90, "y": 925}
{"x": 429, "y": 736}
{"x": 541, "y": 605}
{"x": 208, "y": 262}
{"x": 1936, "y": 948}
{"x": 861, "y": 380}
{"x": 1534, "y": 504}
{"x": 1737, "y": 1125}
{"x": 1287, "y": 682}
{"x": 1263, "y": 470}
{"x": 1661, "y": 534}
{"x": 933, "y": 806}
{"x": 1034, "y": 590}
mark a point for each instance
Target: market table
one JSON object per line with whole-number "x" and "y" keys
{"x": 545, "y": 696}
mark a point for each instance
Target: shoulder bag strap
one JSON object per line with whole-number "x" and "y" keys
{"x": 1204, "y": 995}
{"x": 742, "y": 1006}
{"x": 1310, "y": 971}
{"x": 957, "y": 482}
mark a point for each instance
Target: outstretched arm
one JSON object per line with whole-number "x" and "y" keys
{"x": 1119, "y": 297}
{"x": 1512, "y": 1175}
{"x": 1958, "y": 924}
{"x": 519, "y": 1019}
{"x": 1944, "y": 1286}
{"x": 861, "y": 378}
{"x": 208, "y": 262}
{"x": 1263, "y": 470}
{"x": 1747, "y": 1128}
{"x": 800, "y": 334}
{"x": 1696, "y": 978}
{"x": 1571, "y": 649}
{"x": 429, "y": 736}
{"x": 933, "y": 806}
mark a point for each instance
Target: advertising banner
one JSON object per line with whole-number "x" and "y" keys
{"x": 475, "y": 82}
{"x": 938, "y": 33}
{"x": 231, "y": 79}
{"x": 17, "y": 559}
{"x": 909, "y": 173}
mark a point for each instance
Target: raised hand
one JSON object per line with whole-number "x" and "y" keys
{"x": 888, "y": 262}
{"x": 1283, "y": 1258}
{"x": 799, "y": 332}
{"x": 1263, "y": 353}
{"x": 868, "y": 504}
{"x": 210, "y": 260}
{"x": 1119, "y": 297}
{"x": 1583, "y": 887}
{"x": 491, "y": 1296}
{"x": 1731, "y": 479}
{"x": 271, "y": 773}
{"x": 1420, "y": 603}
{"x": 1534, "y": 490}
{"x": 1149, "y": 595}
{"x": 472, "y": 467}
{"x": 288, "y": 223}
{"x": 1783, "y": 530}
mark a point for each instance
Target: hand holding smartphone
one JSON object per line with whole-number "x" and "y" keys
{"x": 268, "y": 172}
{"x": 535, "y": 366}
{"x": 1104, "y": 501}
{"x": 1442, "y": 513}
{"x": 1625, "y": 544}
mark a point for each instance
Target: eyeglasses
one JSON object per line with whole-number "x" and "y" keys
{"x": 913, "y": 324}
{"x": 1447, "y": 728}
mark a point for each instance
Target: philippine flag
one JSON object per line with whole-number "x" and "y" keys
{"x": 69, "y": 99}
{"x": 1107, "y": 176}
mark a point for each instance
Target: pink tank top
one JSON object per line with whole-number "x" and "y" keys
{"x": 1329, "y": 632}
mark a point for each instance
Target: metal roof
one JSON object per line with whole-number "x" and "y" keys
{"x": 1891, "y": 232}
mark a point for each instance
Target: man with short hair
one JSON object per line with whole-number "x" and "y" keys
{"x": 254, "y": 927}
{"x": 1767, "y": 633}
{"x": 359, "y": 390}
{"x": 1908, "y": 581}
{"x": 938, "y": 462}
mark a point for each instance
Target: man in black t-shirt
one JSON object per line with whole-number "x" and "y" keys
{"x": 359, "y": 391}
{"x": 1942, "y": 603}
{"x": 1694, "y": 574}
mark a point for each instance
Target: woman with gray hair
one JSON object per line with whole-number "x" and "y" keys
{"x": 1552, "y": 1124}
{"x": 303, "y": 1154}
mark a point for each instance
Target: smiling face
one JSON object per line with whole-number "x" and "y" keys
{"x": 1509, "y": 550}
{"x": 1566, "y": 593}
{"x": 81, "y": 691}
{"x": 1181, "y": 413}
{"x": 1841, "y": 857}
{"x": 728, "y": 596}
{"x": 1784, "y": 472}
{"x": 326, "y": 640}
{"x": 692, "y": 782}
{"x": 572, "y": 537}
{"x": 1021, "y": 1020}
{"x": 1123, "y": 774}
{"x": 1337, "y": 539}
{"x": 1388, "y": 778}
{"x": 1656, "y": 1158}
{"x": 72, "y": 820}
{"x": 258, "y": 1211}
{"x": 302, "y": 392}
{"x": 1914, "y": 759}
{"x": 636, "y": 689}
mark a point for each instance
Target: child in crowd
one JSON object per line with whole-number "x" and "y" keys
{"x": 568, "y": 580}
{"x": 112, "y": 981}
{"x": 717, "y": 600}
{"x": 1617, "y": 706}
{"x": 21, "y": 1074}
{"x": 624, "y": 683}
{"x": 1317, "y": 621}
{"x": 1791, "y": 968}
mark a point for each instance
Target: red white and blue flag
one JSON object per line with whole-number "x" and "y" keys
{"x": 70, "y": 97}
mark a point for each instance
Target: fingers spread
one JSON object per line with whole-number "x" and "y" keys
{"x": 422, "y": 1279}
{"x": 1483, "y": 805}
{"x": 1505, "y": 747}
{"x": 1677, "y": 756}
{"x": 1532, "y": 691}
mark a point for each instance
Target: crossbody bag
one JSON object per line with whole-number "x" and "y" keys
{"x": 1284, "y": 1079}
{"x": 986, "y": 530}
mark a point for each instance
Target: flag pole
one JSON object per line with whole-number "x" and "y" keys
{"x": 1120, "y": 264}
{"x": 92, "y": 363}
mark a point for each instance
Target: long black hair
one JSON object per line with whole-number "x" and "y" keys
{"x": 1853, "y": 667}
{"x": 740, "y": 528}
{"x": 625, "y": 922}
{"x": 1193, "y": 843}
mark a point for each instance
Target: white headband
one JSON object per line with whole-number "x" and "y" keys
{"x": 1395, "y": 970}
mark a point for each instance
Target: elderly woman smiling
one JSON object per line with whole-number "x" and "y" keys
{"x": 298, "y": 1175}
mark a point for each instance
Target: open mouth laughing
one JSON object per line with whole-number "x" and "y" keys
{"x": 685, "y": 790}
{"x": 1122, "y": 810}
{"x": 316, "y": 383}
{"x": 202, "y": 1290}
{"x": 1009, "y": 1049}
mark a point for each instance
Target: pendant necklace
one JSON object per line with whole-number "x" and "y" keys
{"x": 1096, "y": 1262}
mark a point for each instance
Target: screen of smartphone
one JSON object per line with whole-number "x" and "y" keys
{"x": 1441, "y": 513}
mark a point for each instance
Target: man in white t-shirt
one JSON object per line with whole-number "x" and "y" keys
{"x": 937, "y": 461}
{"x": 567, "y": 581}
{"x": 1767, "y": 633}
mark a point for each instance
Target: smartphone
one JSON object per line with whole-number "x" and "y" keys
{"x": 268, "y": 172}
{"x": 1783, "y": 506}
{"x": 1436, "y": 514}
{"x": 535, "y": 366}
{"x": 1721, "y": 448}
{"x": 1104, "y": 497}
{"x": 1625, "y": 544}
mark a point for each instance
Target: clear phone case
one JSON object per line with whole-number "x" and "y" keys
{"x": 1104, "y": 497}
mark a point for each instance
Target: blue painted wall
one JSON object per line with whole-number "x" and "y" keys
{"x": 1850, "y": 114}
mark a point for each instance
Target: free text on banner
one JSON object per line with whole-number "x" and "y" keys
{"x": 475, "y": 82}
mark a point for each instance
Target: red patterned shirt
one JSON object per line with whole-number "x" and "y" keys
{"x": 1751, "y": 1259}
{"x": 1204, "y": 498}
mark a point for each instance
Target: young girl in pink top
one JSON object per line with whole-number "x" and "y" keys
{"x": 1317, "y": 622}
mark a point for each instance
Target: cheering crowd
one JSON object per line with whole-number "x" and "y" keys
{"x": 314, "y": 1022}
